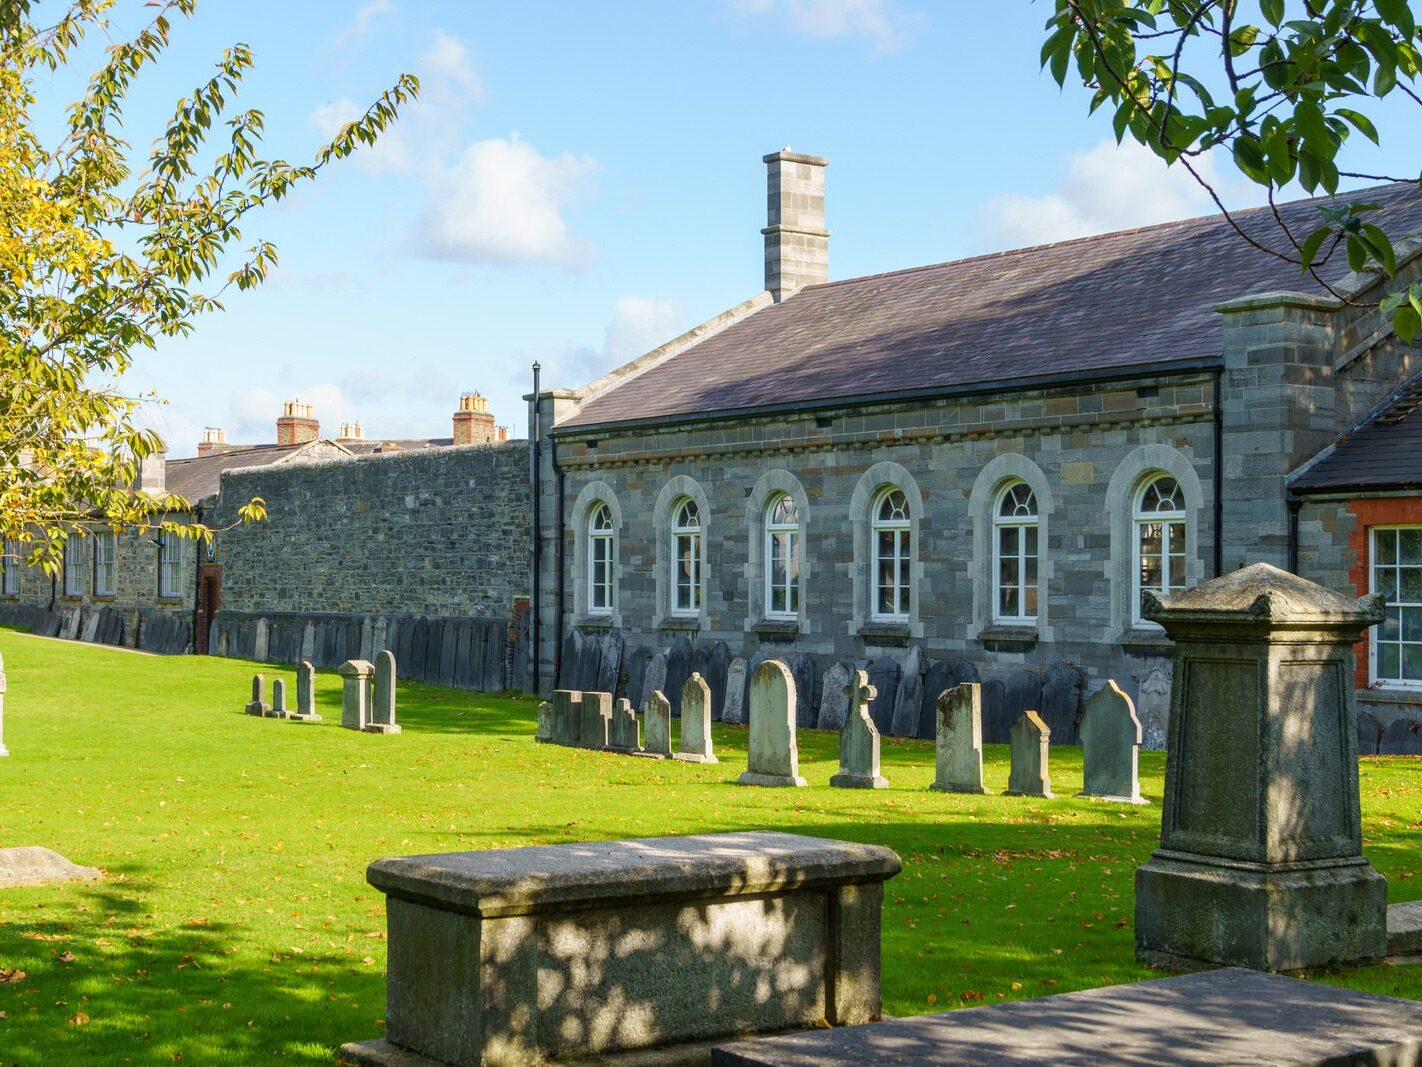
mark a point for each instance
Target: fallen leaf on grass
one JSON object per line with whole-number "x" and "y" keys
{"x": 65, "y": 957}
{"x": 78, "y": 1019}
{"x": 8, "y": 977}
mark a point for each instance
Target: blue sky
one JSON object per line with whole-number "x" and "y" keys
{"x": 581, "y": 181}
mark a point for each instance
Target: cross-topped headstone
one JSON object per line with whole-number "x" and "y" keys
{"x": 958, "y": 754}
{"x": 382, "y": 716}
{"x": 1030, "y": 775}
{"x": 774, "y": 756}
{"x": 658, "y": 716}
{"x": 258, "y": 704}
{"x": 694, "y": 744}
{"x": 859, "y": 739}
{"x": 1110, "y": 747}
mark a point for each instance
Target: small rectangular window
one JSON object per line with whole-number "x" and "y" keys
{"x": 10, "y": 569}
{"x": 1396, "y": 573}
{"x": 104, "y": 561}
{"x": 169, "y": 562}
{"x": 74, "y": 566}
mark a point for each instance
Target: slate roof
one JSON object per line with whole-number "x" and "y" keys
{"x": 198, "y": 478}
{"x": 1119, "y": 300}
{"x": 1385, "y": 452}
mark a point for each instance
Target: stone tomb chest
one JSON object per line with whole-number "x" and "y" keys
{"x": 565, "y": 951}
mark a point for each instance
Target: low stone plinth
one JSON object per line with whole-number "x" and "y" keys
{"x": 1227, "y": 1016}
{"x": 559, "y": 952}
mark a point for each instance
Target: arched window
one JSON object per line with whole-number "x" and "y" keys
{"x": 686, "y": 557}
{"x": 782, "y": 558}
{"x": 891, "y": 556}
{"x": 1159, "y": 517}
{"x": 600, "y": 559}
{"x": 1015, "y": 538}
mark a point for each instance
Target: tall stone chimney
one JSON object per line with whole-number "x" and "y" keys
{"x": 351, "y": 431}
{"x": 796, "y": 241}
{"x": 297, "y": 425}
{"x": 153, "y": 474}
{"x": 473, "y": 425}
{"x": 214, "y": 440}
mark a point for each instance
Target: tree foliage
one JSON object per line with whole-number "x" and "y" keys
{"x": 104, "y": 249}
{"x": 1281, "y": 86}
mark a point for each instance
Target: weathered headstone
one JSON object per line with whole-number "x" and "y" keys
{"x": 279, "y": 709}
{"x": 802, "y": 669}
{"x": 3, "y": 750}
{"x": 908, "y": 701}
{"x": 734, "y": 710}
{"x": 774, "y": 757}
{"x": 1063, "y": 685}
{"x": 355, "y": 693}
{"x": 305, "y": 693}
{"x": 589, "y": 661}
{"x": 858, "y": 739}
{"x": 637, "y": 660}
{"x": 1023, "y": 692}
{"x": 937, "y": 679}
{"x": 382, "y": 715}
{"x": 1403, "y": 737}
{"x": 595, "y": 716}
{"x": 623, "y": 732}
{"x": 544, "y": 731}
{"x": 567, "y": 716}
{"x": 655, "y": 679}
{"x": 1153, "y": 709}
{"x": 720, "y": 662}
{"x": 1031, "y": 774}
{"x": 1110, "y": 747}
{"x": 997, "y": 724}
{"x": 1261, "y": 862}
{"x": 759, "y": 656}
{"x": 958, "y": 759}
{"x": 834, "y": 700}
{"x": 258, "y": 704}
{"x": 678, "y": 671}
{"x": 884, "y": 676}
{"x": 658, "y": 717}
{"x": 610, "y": 669}
{"x": 694, "y": 744}
{"x": 1370, "y": 734}
{"x": 567, "y": 658}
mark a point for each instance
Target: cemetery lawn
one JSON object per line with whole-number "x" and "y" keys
{"x": 234, "y": 923}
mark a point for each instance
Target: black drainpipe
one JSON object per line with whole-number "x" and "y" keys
{"x": 1295, "y": 502}
{"x": 537, "y": 433}
{"x": 1219, "y": 470}
{"x": 199, "y": 548}
{"x": 558, "y": 559}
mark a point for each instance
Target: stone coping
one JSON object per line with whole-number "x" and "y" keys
{"x": 598, "y": 874}
{"x": 1229, "y": 1016}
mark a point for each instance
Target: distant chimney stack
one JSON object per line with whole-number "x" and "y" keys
{"x": 796, "y": 241}
{"x": 297, "y": 425}
{"x": 153, "y": 474}
{"x": 351, "y": 431}
{"x": 214, "y": 439}
{"x": 473, "y": 425}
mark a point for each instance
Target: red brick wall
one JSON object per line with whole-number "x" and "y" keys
{"x": 1393, "y": 511}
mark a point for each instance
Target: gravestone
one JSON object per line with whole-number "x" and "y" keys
{"x": 623, "y": 733}
{"x": 279, "y": 708}
{"x": 1370, "y": 734}
{"x": 884, "y": 675}
{"x": 694, "y": 744}
{"x": 544, "y": 731}
{"x": 908, "y": 701}
{"x": 1023, "y": 693}
{"x": 654, "y": 680}
{"x": 589, "y": 662}
{"x": 1153, "y": 709}
{"x": 610, "y": 669}
{"x": 1031, "y": 774}
{"x": 382, "y": 714}
{"x": 734, "y": 710}
{"x": 1110, "y": 747}
{"x": 678, "y": 671}
{"x": 859, "y": 740}
{"x": 1063, "y": 686}
{"x": 355, "y": 693}
{"x": 761, "y": 655}
{"x": 958, "y": 753}
{"x": 658, "y": 716}
{"x": 1403, "y": 737}
{"x": 1261, "y": 850}
{"x": 937, "y": 679}
{"x": 567, "y": 659}
{"x": 774, "y": 758}
{"x": 258, "y": 704}
{"x": 567, "y": 716}
{"x": 701, "y": 662}
{"x": 595, "y": 719}
{"x": 997, "y": 724}
{"x": 637, "y": 661}
{"x": 802, "y": 669}
{"x": 305, "y": 693}
{"x": 834, "y": 701}
{"x": 3, "y": 750}
{"x": 720, "y": 662}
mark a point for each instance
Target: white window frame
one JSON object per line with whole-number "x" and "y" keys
{"x": 1172, "y": 523}
{"x": 10, "y": 576}
{"x": 1375, "y": 676}
{"x": 74, "y": 566}
{"x": 602, "y": 542}
{"x": 687, "y": 545}
{"x": 900, "y": 529}
{"x": 778, "y": 531}
{"x": 1020, "y": 522}
{"x": 170, "y": 557}
{"x": 105, "y": 562}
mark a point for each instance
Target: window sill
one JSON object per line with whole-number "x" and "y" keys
{"x": 999, "y": 637}
{"x": 885, "y": 633}
{"x": 594, "y": 622}
{"x": 683, "y": 623}
{"x": 1147, "y": 640}
{"x": 777, "y": 628}
{"x": 1390, "y": 695}
{"x": 170, "y": 599}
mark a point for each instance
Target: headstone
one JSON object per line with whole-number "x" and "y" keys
{"x": 678, "y": 671}
{"x": 774, "y": 758}
{"x": 720, "y": 662}
{"x": 1063, "y": 686}
{"x": 355, "y": 693}
{"x": 623, "y": 733}
{"x": 544, "y": 731}
{"x": 1030, "y": 775}
{"x": 1370, "y": 734}
{"x": 589, "y": 661}
{"x": 997, "y": 725}
{"x": 802, "y": 668}
{"x": 658, "y": 716}
{"x": 610, "y": 670}
{"x": 382, "y": 715}
{"x": 701, "y": 661}
{"x": 761, "y": 655}
{"x": 258, "y": 704}
{"x": 637, "y": 660}
{"x": 596, "y": 717}
{"x": 937, "y": 679}
{"x": 908, "y": 701}
{"x": 1261, "y": 861}
{"x": 3, "y": 750}
{"x": 694, "y": 743}
{"x": 958, "y": 751}
{"x": 567, "y": 716}
{"x": 1403, "y": 737}
{"x": 1153, "y": 709}
{"x": 1023, "y": 693}
{"x": 305, "y": 693}
{"x": 260, "y": 642}
{"x": 279, "y": 709}
{"x": 834, "y": 703}
{"x": 654, "y": 680}
{"x": 884, "y": 675}
{"x": 734, "y": 710}
{"x": 567, "y": 658}
{"x": 858, "y": 739}
{"x": 1110, "y": 747}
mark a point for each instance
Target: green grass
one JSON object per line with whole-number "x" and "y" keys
{"x": 235, "y": 924}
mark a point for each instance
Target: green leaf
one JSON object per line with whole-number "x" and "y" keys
{"x": 1273, "y": 11}
{"x": 1382, "y": 247}
{"x": 1360, "y": 122}
{"x": 1312, "y": 243}
{"x": 1407, "y": 324}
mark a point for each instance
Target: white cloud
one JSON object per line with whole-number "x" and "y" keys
{"x": 639, "y": 324}
{"x": 447, "y": 58}
{"x": 360, "y": 26}
{"x": 880, "y": 22}
{"x": 503, "y": 202}
{"x": 390, "y": 154}
{"x": 1107, "y": 188}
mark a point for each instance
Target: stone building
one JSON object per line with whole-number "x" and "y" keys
{"x": 974, "y": 468}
